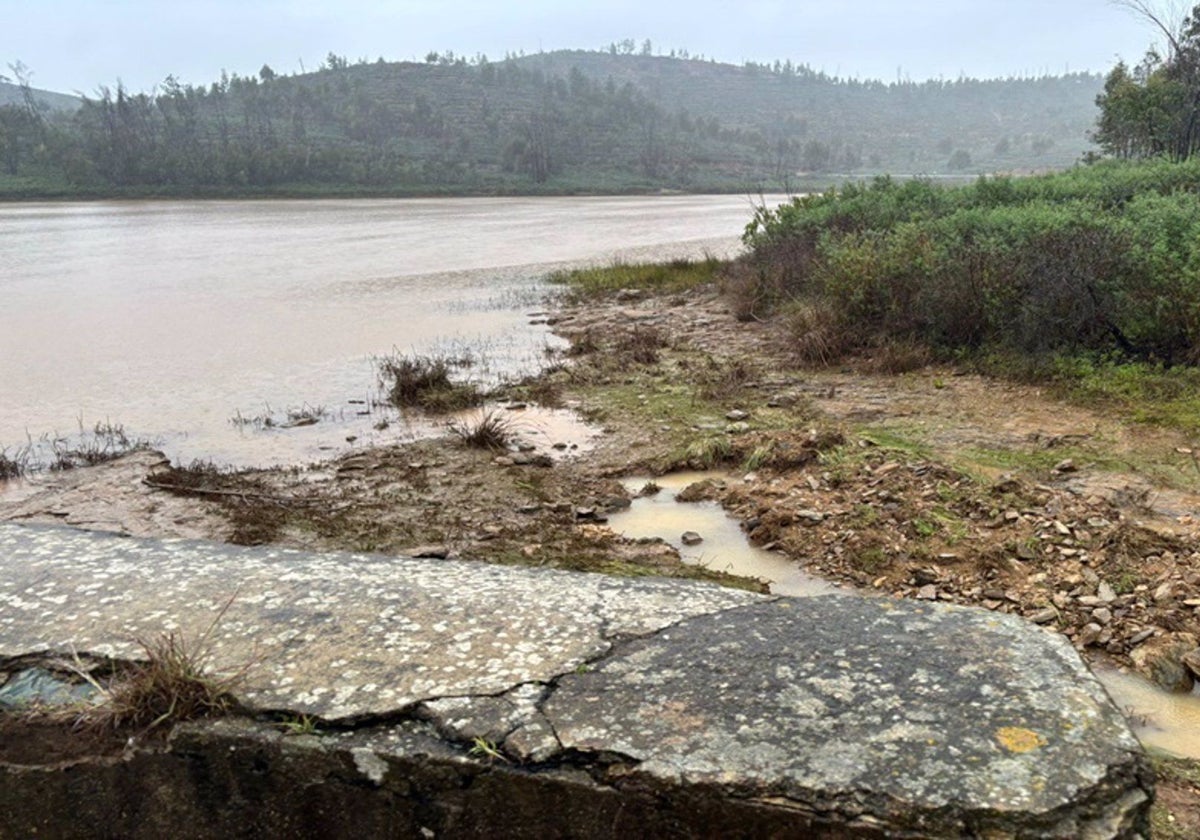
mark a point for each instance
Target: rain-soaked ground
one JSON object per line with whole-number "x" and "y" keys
{"x": 1165, "y": 721}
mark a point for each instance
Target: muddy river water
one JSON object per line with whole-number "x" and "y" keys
{"x": 175, "y": 320}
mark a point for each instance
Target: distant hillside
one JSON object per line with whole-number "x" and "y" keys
{"x": 873, "y": 126}
{"x": 11, "y": 95}
{"x": 553, "y": 122}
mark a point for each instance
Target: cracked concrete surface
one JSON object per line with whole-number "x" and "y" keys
{"x": 687, "y": 702}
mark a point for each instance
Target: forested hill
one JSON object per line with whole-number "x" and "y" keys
{"x": 11, "y": 94}
{"x": 552, "y": 122}
{"x": 1001, "y": 124}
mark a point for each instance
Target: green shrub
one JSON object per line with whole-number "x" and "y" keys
{"x": 1101, "y": 258}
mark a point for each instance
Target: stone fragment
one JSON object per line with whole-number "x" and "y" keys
{"x": 1161, "y": 660}
{"x": 1044, "y": 616}
{"x": 691, "y": 538}
{"x": 429, "y": 552}
{"x": 925, "y": 575}
{"x": 1090, "y": 634}
{"x": 1191, "y": 661}
{"x": 881, "y": 725}
{"x": 737, "y": 415}
{"x": 1106, "y": 593}
{"x": 1141, "y": 636}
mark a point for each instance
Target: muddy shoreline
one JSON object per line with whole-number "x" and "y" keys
{"x": 886, "y": 482}
{"x": 926, "y": 484}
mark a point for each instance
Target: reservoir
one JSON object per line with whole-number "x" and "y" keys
{"x": 189, "y": 324}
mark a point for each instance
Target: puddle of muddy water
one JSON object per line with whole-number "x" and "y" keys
{"x": 557, "y": 432}
{"x": 1163, "y": 721}
{"x": 725, "y": 547}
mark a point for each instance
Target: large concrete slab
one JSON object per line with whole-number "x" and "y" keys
{"x": 632, "y": 704}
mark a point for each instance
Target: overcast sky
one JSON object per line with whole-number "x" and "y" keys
{"x": 75, "y": 45}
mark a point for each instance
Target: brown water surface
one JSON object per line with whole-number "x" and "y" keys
{"x": 724, "y": 547}
{"x": 172, "y": 319}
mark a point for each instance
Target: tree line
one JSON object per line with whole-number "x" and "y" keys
{"x": 1153, "y": 108}
{"x": 560, "y": 122}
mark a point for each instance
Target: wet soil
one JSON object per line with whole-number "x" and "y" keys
{"x": 930, "y": 484}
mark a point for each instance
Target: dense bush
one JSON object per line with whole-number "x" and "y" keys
{"x": 1101, "y": 258}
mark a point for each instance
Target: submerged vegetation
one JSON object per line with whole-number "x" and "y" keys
{"x": 491, "y": 430}
{"x": 103, "y": 442}
{"x": 425, "y": 382}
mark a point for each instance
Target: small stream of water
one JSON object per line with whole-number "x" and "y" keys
{"x": 1163, "y": 721}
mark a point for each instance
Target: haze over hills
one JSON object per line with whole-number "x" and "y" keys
{"x": 11, "y": 94}
{"x": 565, "y": 121}
{"x": 875, "y": 126}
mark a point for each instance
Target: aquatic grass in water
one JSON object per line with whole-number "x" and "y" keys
{"x": 106, "y": 441}
{"x": 490, "y": 430}
{"x": 424, "y": 382}
{"x": 16, "y": 464}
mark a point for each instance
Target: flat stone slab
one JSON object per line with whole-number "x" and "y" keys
{"x": 835, "y": 714}
{"x": 867, "y": 707}
{"x": 332, "y": 635}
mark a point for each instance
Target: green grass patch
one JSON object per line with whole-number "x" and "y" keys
{"x": 1141, "y": 391}
{"x": 660, "y": 278}
{"x": 902, "y": 440}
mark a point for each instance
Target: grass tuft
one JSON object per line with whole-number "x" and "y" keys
{"x": 172, "y": 684}
{"x": 641, "y": 345}
{"x": 705, "y": 453}
{"x": 661, "y": 278}
{"x": 424, "y": 382}
{"x": 14, "y": 465}
{"x": 490, "y": 430}
{"x": 105, "y": 442}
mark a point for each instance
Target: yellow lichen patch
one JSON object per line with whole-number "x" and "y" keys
{"x": 1018, "y": 740}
